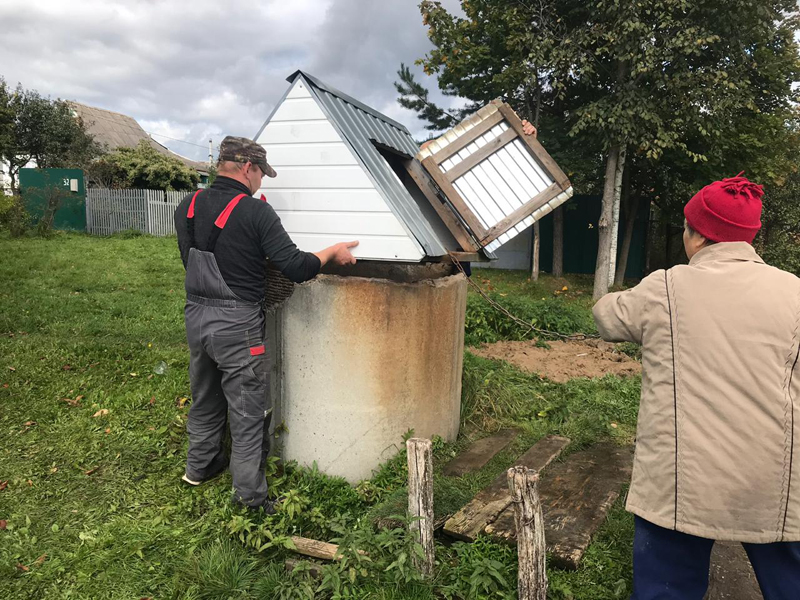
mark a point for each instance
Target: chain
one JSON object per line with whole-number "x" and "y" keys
{"x": 529, "y": 328}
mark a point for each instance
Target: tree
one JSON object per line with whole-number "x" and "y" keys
{"x": 501, "y": 49}
{"x": 648, "y": 81}
{"x": 36, "y": 128}
{"x": 143, "y": 167}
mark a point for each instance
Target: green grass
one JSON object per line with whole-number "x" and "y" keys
{"x": 93, "y": 507}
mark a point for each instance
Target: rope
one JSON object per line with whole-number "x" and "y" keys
{"x": 529, "y": 328}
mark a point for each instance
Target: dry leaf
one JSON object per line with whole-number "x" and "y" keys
{"x": 152, "y": 400}
{"x": 54, "y": 470}
{"x": 78, "y": 398}
{"x": 30, "y": 483}
{"x": 71, "y": 402}
{"x": 22, "y": 567}
{"x": 90, "y": 471}
{"x": 101, "y": 413}
{"x": 30, "y": 423}
{"x": 134, "y": 374}
{"x": 39, "y": 561}
{"x": 3, "y": 485}
{"x": 614, "y": 425}
{"x": 66, "y": 368}
{"x": 108, "y": 430}
{"x": 3, "y": 524}
{"x": 11, "y": 369}
{"x": 182, "y": 402}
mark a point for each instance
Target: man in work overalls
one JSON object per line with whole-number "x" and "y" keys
{"x": 225, "y": 235}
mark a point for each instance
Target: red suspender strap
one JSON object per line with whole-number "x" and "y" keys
{"x": 190, "y": 214}
{"x": 222, "y": 219}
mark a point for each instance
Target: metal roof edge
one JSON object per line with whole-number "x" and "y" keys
{"x": 349, "y": 99}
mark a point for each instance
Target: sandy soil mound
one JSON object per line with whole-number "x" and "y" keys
{"x": 564, "y": 360}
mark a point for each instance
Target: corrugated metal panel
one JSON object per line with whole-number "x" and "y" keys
{"x": 360, "y": 126}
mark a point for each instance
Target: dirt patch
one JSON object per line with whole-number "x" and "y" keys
{"x": 563, "y": 360}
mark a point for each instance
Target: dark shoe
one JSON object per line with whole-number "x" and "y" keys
{"x": 214, "y": 471}
{"x": 269, "y": 507}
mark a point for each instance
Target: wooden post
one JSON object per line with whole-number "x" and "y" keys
{"x": 524, "y": 487}
{"x": 420, "y": 498}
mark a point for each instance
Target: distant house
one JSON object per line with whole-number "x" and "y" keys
{"x": 115, "y": 130}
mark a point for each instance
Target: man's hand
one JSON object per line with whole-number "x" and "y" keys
{"x": 338, "y": 254}
{"x": 528, "y": 128}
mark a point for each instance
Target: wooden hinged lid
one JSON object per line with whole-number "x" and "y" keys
{"x": 496, "y": 179}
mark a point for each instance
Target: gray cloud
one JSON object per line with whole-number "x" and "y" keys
{"x": 200, "y": 70}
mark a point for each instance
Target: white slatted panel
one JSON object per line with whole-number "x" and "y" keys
{"x": 322, "y": 193}
{"x": 502, "y": 183}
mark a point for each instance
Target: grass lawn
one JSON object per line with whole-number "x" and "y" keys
{"x": 94, "y": 394}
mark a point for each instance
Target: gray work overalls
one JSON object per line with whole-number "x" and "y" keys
{"x": 228, "y": 371}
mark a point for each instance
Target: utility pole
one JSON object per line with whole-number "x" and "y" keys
{"x": 210, "y": 154}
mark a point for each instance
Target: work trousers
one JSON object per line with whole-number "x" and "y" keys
{"x": 229, "y": 374}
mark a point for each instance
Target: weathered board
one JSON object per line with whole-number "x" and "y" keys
{"x": 479, "y": 453}
{"x": 576, "y": 496}
{"x": 473, "y": 518}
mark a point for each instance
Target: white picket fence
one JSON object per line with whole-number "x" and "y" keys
{"x": 148, "y": 211}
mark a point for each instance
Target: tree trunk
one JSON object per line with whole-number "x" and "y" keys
{"x": 604, "y": 226}
{"x": 536, "y": 244}
{"x": 612, "y": 253}
{"x": 558, "y": 242}
{"x": 630, "y": 221}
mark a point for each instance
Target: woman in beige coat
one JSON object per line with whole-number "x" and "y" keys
{"x": 718, "y": 439}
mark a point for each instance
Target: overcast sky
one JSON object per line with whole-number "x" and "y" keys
{"x": 207, "y": 68}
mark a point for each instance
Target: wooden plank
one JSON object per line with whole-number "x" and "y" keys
{"x": 576, "y": 496}
{"x": 467, "y": 138}
{"x": 521, "y": 213}
{"x": 523, "y": 485}
{"x": 535, "y": 147}
{"x": 481, "y": 154}
{"x": 479, "y": 453}
{"x": 414, "y": 168}
{"x": 315, "y": 548}
{"x": 455, "y": 198}
{"x": 473, "y": 518}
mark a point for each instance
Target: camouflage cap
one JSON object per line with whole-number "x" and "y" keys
{"x": 240, "y": 149}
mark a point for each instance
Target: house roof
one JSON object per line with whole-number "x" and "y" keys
{"x": 115, "y": 130}
{"x": 362, "y": 127}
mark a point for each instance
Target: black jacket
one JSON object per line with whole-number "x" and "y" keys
{"x": 252, "y": 234}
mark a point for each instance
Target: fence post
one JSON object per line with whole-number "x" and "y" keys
{"x": 420, "y": 499}
{"x": 524, "y": 487}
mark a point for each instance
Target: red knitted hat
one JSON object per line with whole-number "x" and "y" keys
{"x": 727, "y": 210}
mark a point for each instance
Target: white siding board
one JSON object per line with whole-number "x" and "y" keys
{"x": 380, "y": 248}
{"x": 333, "y": 153}
{"x": 343, "y": 224}
{"x": 291, "y": 132}
{"x": 365, "y": 201}
{"x": 298, "y": 90}
{"x": 298, "y": 109}
{"x": 320, "y": 177}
